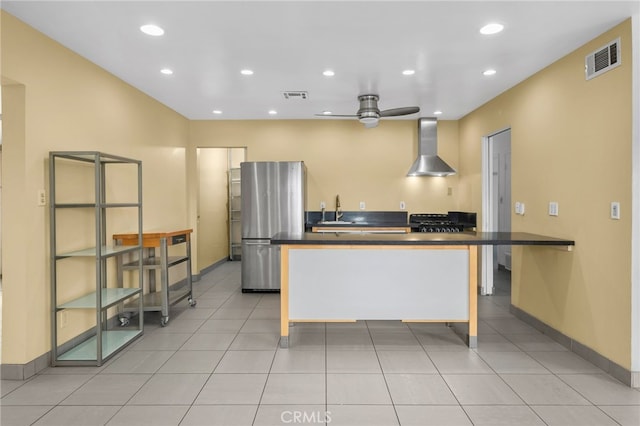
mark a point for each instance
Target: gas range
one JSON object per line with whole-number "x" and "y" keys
{"x": 439, "y": 222}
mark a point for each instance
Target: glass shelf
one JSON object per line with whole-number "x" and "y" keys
{"x": 106, "y": 251}
{"x": 155, "y": 262}
{"x": 109, "y": 296}
{"x": 112, "y": 340}
{"x": 92, "y": 156}
{"x": 93, "y": 205}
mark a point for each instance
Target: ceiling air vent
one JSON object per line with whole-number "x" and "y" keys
{"x": 602, "y": 60}
{"x": 292, "y": 95}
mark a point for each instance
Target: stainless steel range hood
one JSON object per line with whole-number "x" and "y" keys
{"x": 428, "y": 163}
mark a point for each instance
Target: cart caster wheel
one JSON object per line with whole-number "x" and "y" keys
{"x": 124, "y": 321}
{"x": 192, "y": 302}
{"x": 164, "y": 321}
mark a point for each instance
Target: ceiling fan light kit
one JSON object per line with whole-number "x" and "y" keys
{"x": 369, "y": 114}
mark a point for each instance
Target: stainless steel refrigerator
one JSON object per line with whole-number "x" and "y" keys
{"x": 273, "y": 200}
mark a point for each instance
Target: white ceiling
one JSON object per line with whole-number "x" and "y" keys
{"x": 289, "y": 44}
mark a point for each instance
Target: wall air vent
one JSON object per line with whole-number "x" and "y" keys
{"x": 602, "y": 60}
{"x": 295, "y": 94}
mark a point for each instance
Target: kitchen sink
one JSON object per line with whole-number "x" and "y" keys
{"x": 335, "y": 222}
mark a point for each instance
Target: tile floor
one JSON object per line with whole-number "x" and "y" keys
{"x": 219, "y": 364}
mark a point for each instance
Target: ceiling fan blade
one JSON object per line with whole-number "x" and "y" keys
{"x": 399, "y": 111}
{"x": 335, "y": 115}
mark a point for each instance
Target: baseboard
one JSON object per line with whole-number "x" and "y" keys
{"x": 629, "y": 378}
{"x": 203, "y": 271}
{"x": 24, "y": 371}
{"x": 30, "y": 369}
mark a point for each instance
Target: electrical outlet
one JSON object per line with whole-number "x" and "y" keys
{"x": 42, "y": 198}
{"x": 362, "y": 205}
{"x": 615, "y": 210}
{"x": 449, "y": 191}
{"x": 323, "y": 205}
{"x": 553, "y": 208}
{"x": 402, "y": 205}
{"x": 519, "y": 208}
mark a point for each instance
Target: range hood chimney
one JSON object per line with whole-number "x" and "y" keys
{"x": 428, "y": 163}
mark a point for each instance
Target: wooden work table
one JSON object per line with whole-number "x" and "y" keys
{"x": 154, "y": 238}
{"x": 169, "y": 292}
{"x": 415, "y": 277}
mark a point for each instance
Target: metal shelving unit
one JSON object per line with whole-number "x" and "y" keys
{"x": 99, "y": 299}
{"x": 235, "y": 231}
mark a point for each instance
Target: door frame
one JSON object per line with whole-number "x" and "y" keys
{"x": 635, "y": 206}
{"x": 489, "y": 222}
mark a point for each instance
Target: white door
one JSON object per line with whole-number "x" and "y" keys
{"x": 496, "y": 202}
{"x": 500, "y": 145}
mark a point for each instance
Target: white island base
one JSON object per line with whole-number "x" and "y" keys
{"x": 346, "y": 283}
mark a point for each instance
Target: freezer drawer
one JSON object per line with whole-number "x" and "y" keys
{"x": 260, "y": 266}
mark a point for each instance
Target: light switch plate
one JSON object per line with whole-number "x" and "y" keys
{"x": 615, "y": 210}
{"x": 553, "y": 208}
{"x": 362, "y": 205}
{"x": 519, "y": 208}
{"x": 42, "y": 197}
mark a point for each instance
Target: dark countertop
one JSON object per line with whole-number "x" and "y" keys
{"x": 419, "y": 238}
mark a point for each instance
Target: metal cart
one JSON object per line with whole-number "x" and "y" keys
{"x": 169, "y": 293}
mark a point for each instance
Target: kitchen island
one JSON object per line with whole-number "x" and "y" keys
{"x": 415, "y": 277}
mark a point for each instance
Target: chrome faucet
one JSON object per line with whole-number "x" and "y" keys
{"x": 338, "y": 210}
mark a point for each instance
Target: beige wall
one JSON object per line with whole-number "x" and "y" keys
{"x": 212, "y": 206}
{"x": 213, "y": 223}
{"x": 55, "y": 100}
{"x": 343, "y": 157}
{"x": 571, "y": 143}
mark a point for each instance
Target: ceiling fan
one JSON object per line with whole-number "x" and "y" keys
{"x": 369, "y": 113}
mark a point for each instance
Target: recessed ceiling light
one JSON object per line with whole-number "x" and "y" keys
{"x": 166, "y": 71}
{"x": 408, "y": 72}
{"x": 152, "y": 30}
{"x": 328, "y": 73}
{"x": 437, "y": 112}
{"x": 217, "y": 111}
{"x": 492, "y": 28}
{"x": 327, "y": 112}
{"x": 272, "y": 112}
{"x": 489, "y": 72}
{"x": 246, "y": 72}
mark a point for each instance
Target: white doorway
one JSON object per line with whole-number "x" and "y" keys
{"x": 496, "y": 205}
{"x": 500, "y": 146}
{"x": 217, "y": 210}
{"x": 0, "y": 226}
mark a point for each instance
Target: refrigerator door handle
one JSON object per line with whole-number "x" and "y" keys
{"x": 257, "y": 242}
